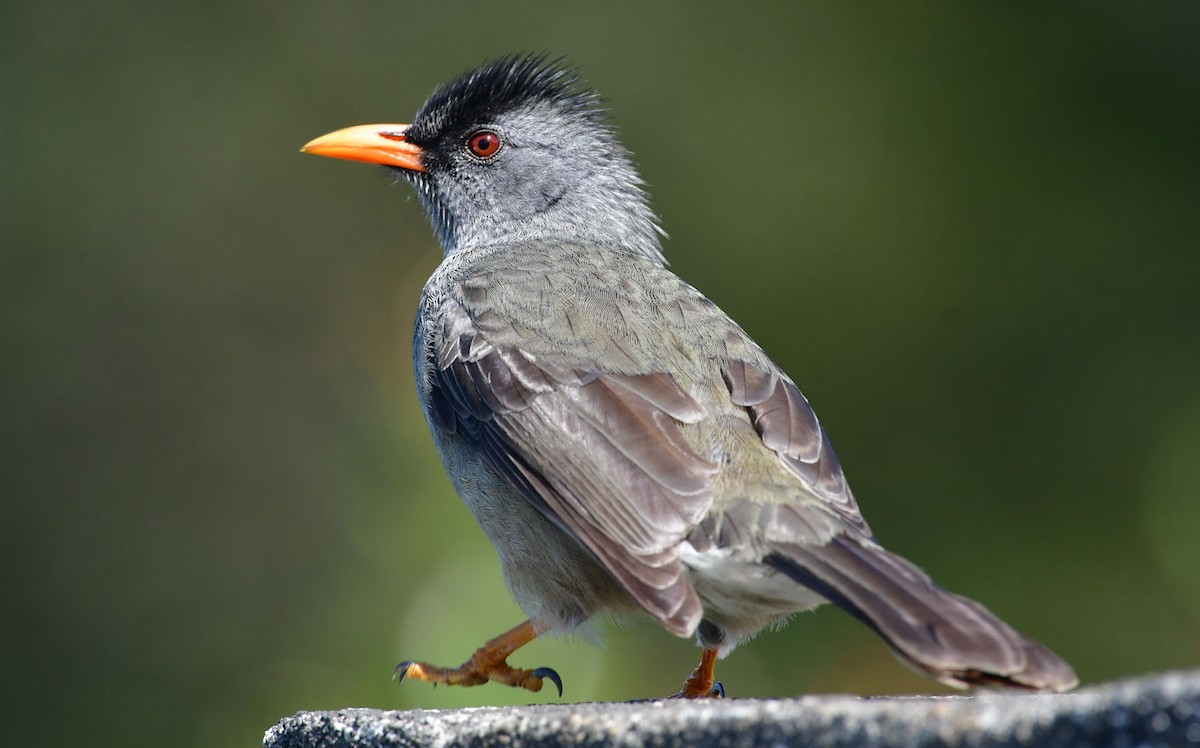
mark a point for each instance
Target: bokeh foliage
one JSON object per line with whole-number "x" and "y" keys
{"x": 969, "y": 231}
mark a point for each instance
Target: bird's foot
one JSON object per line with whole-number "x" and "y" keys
{"x": 717, "y": 691}
{"x": 488, "y": 663}
{"x": 702, "y": 683}
{"x": 474, "y": 673}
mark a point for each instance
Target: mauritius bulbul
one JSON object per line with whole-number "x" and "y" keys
{"x": 625, "y": 445}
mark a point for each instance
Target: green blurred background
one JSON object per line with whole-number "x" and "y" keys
{"x": 969, "y": 231}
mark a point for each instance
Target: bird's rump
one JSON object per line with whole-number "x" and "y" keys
{"x": 788, "y": 426}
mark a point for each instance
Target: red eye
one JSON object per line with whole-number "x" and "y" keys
{"x": 484, "y": 144}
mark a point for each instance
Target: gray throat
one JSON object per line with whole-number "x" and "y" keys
{"x": 605, "y": 209}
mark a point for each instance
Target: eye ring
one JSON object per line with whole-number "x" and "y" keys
{"x": 484, "y": 144}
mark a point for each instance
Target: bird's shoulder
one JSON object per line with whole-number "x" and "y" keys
{"x": 578, "y": 306}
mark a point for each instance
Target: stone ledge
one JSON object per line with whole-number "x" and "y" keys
{"x": 1149, "y": 711}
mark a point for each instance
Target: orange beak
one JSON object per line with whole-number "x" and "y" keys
{"x": 371, "y": 144}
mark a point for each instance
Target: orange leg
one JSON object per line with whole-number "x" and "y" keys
{"x": 489, "y": 663}
{"x": 702, "y": 683}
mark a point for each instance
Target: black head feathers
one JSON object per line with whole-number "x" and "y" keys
{"x": 500, "y": 86}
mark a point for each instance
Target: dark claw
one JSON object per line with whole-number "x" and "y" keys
{"x": 718, "y": 690}
{"x": 545, "y": 672}
{"x": 401, "y": 671}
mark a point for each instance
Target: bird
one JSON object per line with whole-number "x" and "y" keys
{"x": 624, "y": 444}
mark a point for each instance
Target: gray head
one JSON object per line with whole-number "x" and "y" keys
{"x": 511, "y": 151}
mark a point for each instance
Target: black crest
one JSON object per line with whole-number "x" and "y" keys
{"x": 498, "y": 87}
